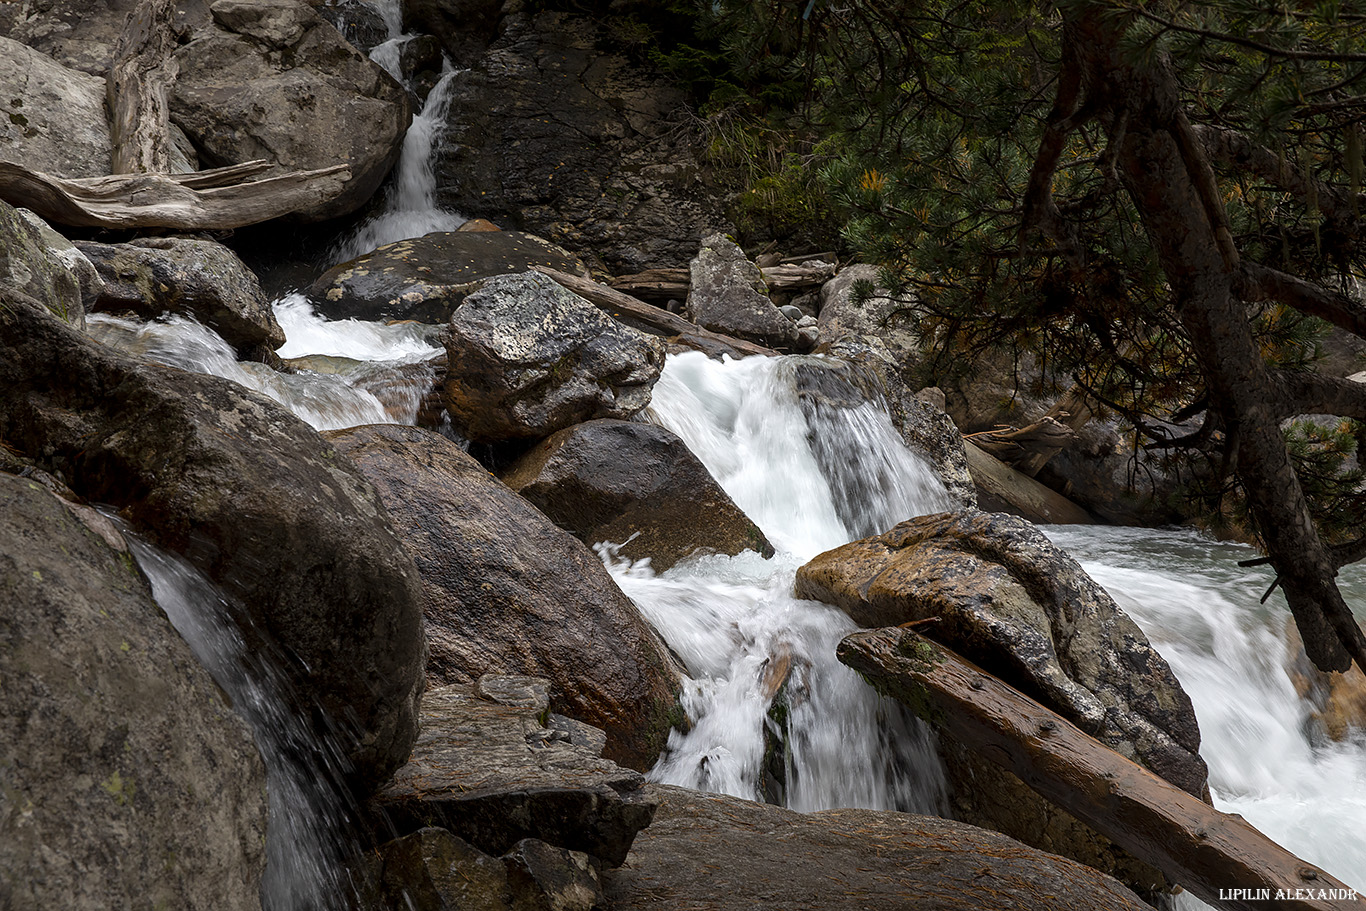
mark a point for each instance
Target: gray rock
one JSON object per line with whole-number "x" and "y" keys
{"x": 270, "y": 79}
{"x": 793, "y": 313}
{"x": 506, "y": 592}
{"x": 487, "y": 773}
{"x": 433, "y": 870}
{"x": 247, "y": 492}
{"x": 636, "y": 485}
{"x": 30, "y": 265}
{"x": 52, "y": 118}
{"x": 526, "y": 357}
{"x": 120, "y": 758}
{"x": 192, "y": 277}
{"x": 547, "y": 878}
{"x": 81, "y": 34}
{"x": 359, "y": 22}
{"x": 426, "y": 278}
{"x": 608, "y": 151}
{"x": 717, "y": 852}
{"x": 876, "y": 321}
{"x": 728, "y": 295}
{"x": 87, "y": 276}
{"x": 464, "y": 27}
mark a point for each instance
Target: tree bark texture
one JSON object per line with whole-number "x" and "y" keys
{"x": 1192, "y": 843}
{"x": 138, "y": 90}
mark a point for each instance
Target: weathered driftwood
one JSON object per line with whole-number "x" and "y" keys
{"x": 1028, "y": 447}
{"x": 652, "y": 319}
{"x": 138, "y": 90}
{"x": 656, "y": 284}
{"x": 202, "y": 201}
{"x": 1217, "y": 856}
{"x": 796, "y": 276}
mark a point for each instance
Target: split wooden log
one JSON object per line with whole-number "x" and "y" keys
{"x": 652, "y": 319}
{"x": 1028, "y": 447}
{"x": 188, "y": 202}
{"x": 139, "y": 88}
{"x": 1217, "y": 856}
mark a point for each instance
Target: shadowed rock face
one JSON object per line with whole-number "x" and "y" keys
{"x": 620, "y": 481}
{"x": 507, "y": 592}
{"x": 526, "y": 357}
{"x": 251, "y": 495}
{"x": 118, "y": 754}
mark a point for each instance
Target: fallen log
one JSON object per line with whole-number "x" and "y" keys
{"x": 138, "y": 90}
{"x": 1028, "y": 447}
{"x": 656, "y": 284}
{"x": 201, "y": 201}
{"x": 1218, "y": 856}
{"x": 652, "y": 319}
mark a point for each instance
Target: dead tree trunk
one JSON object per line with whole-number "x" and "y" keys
{"x": 138, "y": 90}
{"x": 1212, "y": 854}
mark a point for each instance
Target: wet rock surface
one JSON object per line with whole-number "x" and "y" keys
{"x": 117, "y": 751}
{"x": 636, "y": 485}
{"x": 251, "y": 495}
{"x": 526, "y": 357}
{"x": 506, "y": 592}
{"x": 426, "y": 278}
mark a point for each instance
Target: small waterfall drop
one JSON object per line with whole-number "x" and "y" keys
{"x": 774, "y": 714}
{"x": 310, "y": 816}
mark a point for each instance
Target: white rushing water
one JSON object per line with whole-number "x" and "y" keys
{"x": 733, "y": 620}
{"x": 1202, "y": 612}
{"x": 309, "y": 827}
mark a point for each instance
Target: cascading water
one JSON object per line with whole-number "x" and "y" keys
{"x": 409, "y": 208}
{"x": 745, "y": 641}
{"x": 307, "y": 837}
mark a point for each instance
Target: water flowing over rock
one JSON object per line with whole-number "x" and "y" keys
{"x": 271, "y": 80}
{"x": 247, "y": 492}
{"x": 711, "y": 851}
{"x": 192, "y": 277}
{"x": 52, "y": 119}
{"x": 29, "y": 264}
{"x": 507, "y": 592}
{"x": 636, "y": 485}
{"x": 120, "y": 758}
{"x": 426, "y": 278}
{"x": 728, "y": 295}
{"x": 526, "y": 357}
{"x": 610, "y": 156}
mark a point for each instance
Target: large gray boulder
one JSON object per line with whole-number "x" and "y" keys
{"x": 877, "y": 320}
{"x": 192, "y": 277}
{"x": 426, "y": 278}
{"x": 52, "y": 119}
{"x": 251, "y": 495}
{"x": 30, "y": 265}
{"x": 270, "y": 79}
{"x": 506, "y": 592}
{"x": 527, "y": 357}
{"x": 129, "y": 782}
{"x": 728, "y": 295}
{"x": 636, "y": 485}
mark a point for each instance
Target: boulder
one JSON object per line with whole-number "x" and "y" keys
{"x": 877, "y": 321}
{"x": 718, "y": 852}
{"x": 359, "y": 23}
{"x": 65, "y": 252}
{"x": 29, "y": 264}
{"x": 609, "y": 152}
{"x": 507, "y": 592}
{"x": 192, "y": 277}
{"x": 52, "y": 119}
{"x": 1009, "y": 601}
{"x": 251, "y": 495}
{"x": 426, "y": 278}
{"x": 526, "y": 357}
{"x": 433, "y": 870}
{"x": 728, "y": 295}
{"x": 493, "y": 774}
{"x": 270, "y": 79}
{"x": 129, "y": 782}
{"x": 637, "y": 485}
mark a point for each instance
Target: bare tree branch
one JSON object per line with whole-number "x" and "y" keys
{"x": 1256, "y": 282}
{"x": 1233, "y": 148}
{"x": 1302, "y": 392}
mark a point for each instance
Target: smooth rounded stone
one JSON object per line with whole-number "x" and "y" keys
{"x": 191, "y": 277}
{"x": 728, "y": 295}
{"x": 527, "y": 357}
{"x": 426, "y": 278}
{"x": 609, "y": 152}
{"x": 128, "y": 780}
{"x": 29, "y": 264}
{"x": 270, "y": 79}
{"x": 636, "y": 485}
{"x": 506, "y": 592}
{"x": 721, "y": 853}
{"x": 248, "y": 493}
{"x": 793, "y": 313}
{"x": 52, "y": 118}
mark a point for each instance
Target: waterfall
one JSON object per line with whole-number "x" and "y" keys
{"x": 409, "y": 208}
{"x": 308, "y": 840}
{"x": 774, "y": 714}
